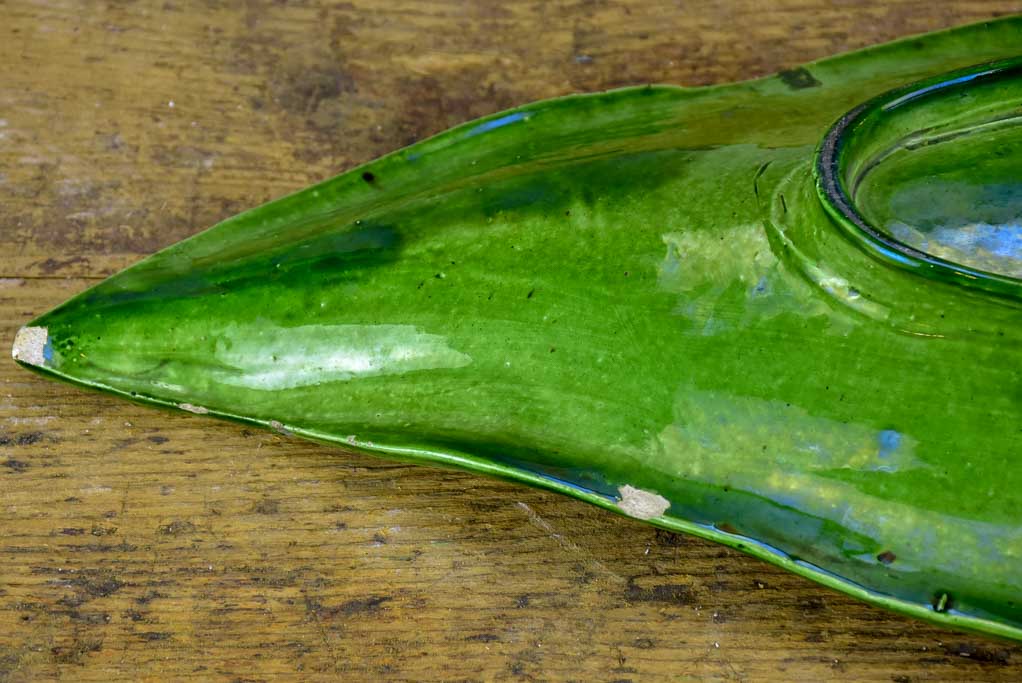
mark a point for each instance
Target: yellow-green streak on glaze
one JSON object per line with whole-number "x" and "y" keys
{"x": 635, "y": 298}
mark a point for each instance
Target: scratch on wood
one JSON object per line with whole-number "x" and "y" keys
{"x": 567, "y": 544}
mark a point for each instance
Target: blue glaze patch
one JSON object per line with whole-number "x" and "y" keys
{"x": 500, "y": 122}
{"x": 889, "y": 441}
{"x": 761, "y": 287}
{"x": 916, "y": 94}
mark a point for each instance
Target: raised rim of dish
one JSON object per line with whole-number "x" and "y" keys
{"x": 839, "y": 204}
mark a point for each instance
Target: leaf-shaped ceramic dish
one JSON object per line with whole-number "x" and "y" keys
{"x": 714, "y": 309}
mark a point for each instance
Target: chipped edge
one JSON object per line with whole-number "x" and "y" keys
{"x": 641, "y": 504}
{"x": 279, "y": 427}
{"x": 30, "y": 345}
{"x": 198, "y": 410}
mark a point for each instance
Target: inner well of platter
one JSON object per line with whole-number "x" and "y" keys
{"x": 935, "y": 172}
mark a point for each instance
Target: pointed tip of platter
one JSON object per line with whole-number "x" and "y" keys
{"x": 31, "y": 345}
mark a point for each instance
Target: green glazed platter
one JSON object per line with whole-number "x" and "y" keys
{"x": 783, "y": 314}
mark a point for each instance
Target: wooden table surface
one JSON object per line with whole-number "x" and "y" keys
{"x": 138, "y": 544}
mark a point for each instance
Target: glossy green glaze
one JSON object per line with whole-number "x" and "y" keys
{"x": 659, "y": 300}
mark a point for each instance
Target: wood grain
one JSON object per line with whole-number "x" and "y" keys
{"x": 141, "y": 545}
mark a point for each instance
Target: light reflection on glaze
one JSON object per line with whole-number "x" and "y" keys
{"x": 266, "y": 357}
{"x": 994, "y": 248}
{"x": 697, "y": 265}
{"x": 782, "y": 453}
{"x": 713, "y": 423}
